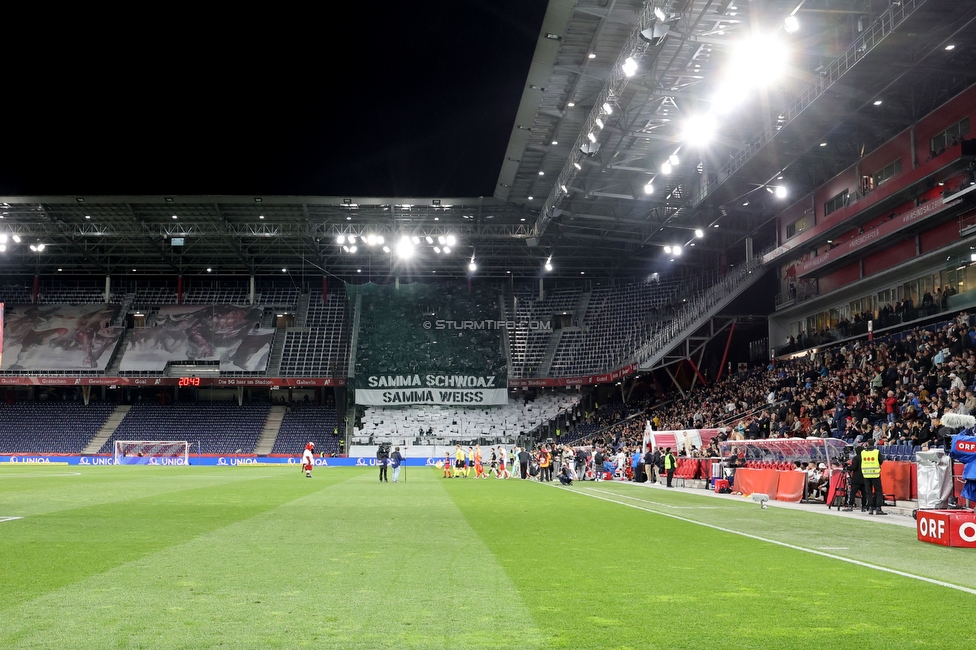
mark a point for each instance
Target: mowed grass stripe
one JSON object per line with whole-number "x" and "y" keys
{"x": 39, "y": 489}
{"x": 44, "y": 552}
{"x": 356, "y": 564}
{"x": 596, "y": 574}
{"x": 873, "y": 541}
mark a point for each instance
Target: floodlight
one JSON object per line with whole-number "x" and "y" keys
{"x": 781, "y": 192}
{"x": 441, "y": 240}
{"x": 548, "y": 266}
{"x": 341, "y": 239}
{"x": 404, "y": 247}
{"x": 352, "y": 249}
{"x": 667, "y": 249}
{"x": 591, "y": 137}
{"x": 447, "y": 249}
{"x": 699, "y": 130}
{"x": 578, "y": 166}
{"x": 416, "y": 240}
{"x": 284, "y": 270}
{"x": 599, "y": 125}
{"x": 430, "y": 240}
{"x": 437, "y": 249}
{"x": 666, "y": 167}
{"x": 16, "y": 239}
{"x": 352, "y": 239}
{"x": 673, "y": 159}
{"x": 3, "y": 239}
{"x": 386, "y": 249}
{"x": 472, "y": 266}
{"x": 3, "y": 248}
{"x": 791, "y": 24}
{"x": 380, "y": 239}
{"x": 451, "y": 240}
{"x": 699, "y": 233}
{"x": 345, "y": 248}
{"x": 659, "y": 14}
{"x": 607, "y": 108}
{"x": 370, "y": 240}
{"x": 649, "y": 188}
{"x": 630, "y": 66}
{"x": 759, "y": 60}
{"x": 676, "y": 250}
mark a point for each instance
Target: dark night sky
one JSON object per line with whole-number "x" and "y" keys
{"x": 377, "y": 99}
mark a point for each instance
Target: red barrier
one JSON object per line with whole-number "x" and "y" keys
{"x": 896, "y": 479}
{"x": 947, "y": 527}
{"x": 790, "y": 486}
{"x": 750, "y": 481}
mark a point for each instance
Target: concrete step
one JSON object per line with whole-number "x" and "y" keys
{"x": 270, "y": 432}
{"x": 111, "y": 424}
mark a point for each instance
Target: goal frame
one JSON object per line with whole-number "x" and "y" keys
{"x": 120, "y": 458}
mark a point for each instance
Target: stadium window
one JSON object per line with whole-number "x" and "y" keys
{"x": 835, "y": 203}
{"x": 955, "y": 132}
{"x": 796, "y": 227}
{"x": 887, "y": 172}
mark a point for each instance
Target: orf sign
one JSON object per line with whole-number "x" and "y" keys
{"x": 947, "y": 527}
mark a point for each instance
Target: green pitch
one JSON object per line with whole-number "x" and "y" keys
{"x": 260, "y": 557}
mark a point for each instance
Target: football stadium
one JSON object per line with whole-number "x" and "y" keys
{"x": 587, "y": 324}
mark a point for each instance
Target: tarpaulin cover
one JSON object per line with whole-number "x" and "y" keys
{"x": 752, "y": 481}
{"x": 790, "y": 486}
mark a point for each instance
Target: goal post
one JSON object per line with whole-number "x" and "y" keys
{"x": 152, "y": 452}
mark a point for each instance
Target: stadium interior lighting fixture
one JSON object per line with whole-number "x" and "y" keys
{"x": 370, "y": 240}
{"x": 555, "y": 142}
{"x": 284, "y": 270}
{"x": 175, "y": 217}
{"x": 699, "y": 130}
{"x": 950, "y": 47}
{"x": 380, "y": 239}
{"x": 607, "y": 108}
{"x": 352, "y": 239}
{"x": 451, "y": 240}
{"x": 209, "y": 269}
{"x": 676, "y": 250}
{"x": 530, "y": 197}
{"x": 404, "y": 247}
{"x": 541, "y": 173}
{"x": 430, "y": 240}
{"x": 667, "y": 250}
{"x": 570, "y": 104}
{"x": 416, "y": 240}
{"x": 563, "y": 188}
{"x": 578, "y": 166}
{"x": 630, "y": 66}
{"x": 437, "y": 249}
{"x": 878, "y": 102}
{"x": 757, "y": 61}
{"x": 3, "y": 248}
{"x": 341, "y": 239}
{"x": 345, "y": 248}
{"x": 16, "y": 239}
{"x": 666, "y": 167}
{"x": 599, "y": 125}
{"x": 39, "y": 248}
{"x": 823, "y": 144}
{"x": 441, "y": 240}
{"x": 591, "y": 55}
{"x": 3, "y": 239}
{"x": 447, "y": 249}
{"x": 472, "y": 266}
{"x": 791, "y": 24}
{"x": 781, "y": 192}
{"x": 699, "y": 233}
{"x": 386, "y": 249}
{"x": 591, "y": 137}
{"x": 548, "y": 264}
{"x": 659, "y": 14}
{"x": 87, "y": 216}
{"x": 260, "y": 216}
{"x": 353, "y": 249}
{"x": 649, "y": 188}
{"x": 673, "y": 159}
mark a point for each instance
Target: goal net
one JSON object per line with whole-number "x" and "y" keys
{"x": 152, "y": 452}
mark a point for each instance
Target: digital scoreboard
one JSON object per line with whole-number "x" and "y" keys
{"x": 188, "y": 381}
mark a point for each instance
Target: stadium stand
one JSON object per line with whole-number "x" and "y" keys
{"x": 449, "y": 424}
{"x": 148, "y": 297}
{"x": 303, "y": 423}
{"x": 15, "y": 295}
{"x": 278, "y": 297}
{"x": 393, "y": 341}
{"x": 317, "y": 347}
{"x": 528, "y": 343}
{"x": 216, "y": 296}
{"x": 219, "y": 428}
{"x": 75, "y": 296}
{"x": 50, "y": 427}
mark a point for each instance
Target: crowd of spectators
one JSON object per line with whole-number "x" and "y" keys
{"x": 893, "y": 391}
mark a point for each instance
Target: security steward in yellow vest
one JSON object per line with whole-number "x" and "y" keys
{"x": 670, "y": 462}
{"x": 870, "y": 464}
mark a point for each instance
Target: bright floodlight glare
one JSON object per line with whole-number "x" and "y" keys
{"x": 607, "y": 108}
{"x": 699, "y": 130}
{"x": 780, "y": 191}
{"x": 451, "y": 240}
{"x": 3, "y": 248}
{"x": 40, "y": 248}
{"x": 386, "y": 249}
{"x": 673, "y": 159}
{"x": 404, "y": 248}
{"x": 791, "y": 24}
{"x": 758, "y": 61}
{"x": 16, "y": 239}
{"x": 415, "y": 240}
{"x": 352, "y": 249}
{"x": 630, "y": 66}
{"x": 599, "y": 124}
{"x": 380, "y": 239}
{"x": 441, "y": 240}
{"x": 676, "y": 250}
{"x": 659, "y": 14}
{"x": 591, "y": 137}
{"x": 649, "y": 188}
{"x": 447, "y": 249}
{"x": 472, "y": 266}
{"x": 345, "y": 248}
{"x": 666, "y": 167}
{"x": 437, "y": 249}
{"x": 370, "y": 240}
{"x": 699, "y": 233}
{"x": 352, "y": 239}
{"x": 3, "y": 239}
{"x": 341, "y": 239}
{"x": 548, "y": 266}
{"x": 578, "y": 166}
{"x": 667, "y": 249}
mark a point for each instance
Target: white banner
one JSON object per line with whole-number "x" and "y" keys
{"x": 410, "y": 396}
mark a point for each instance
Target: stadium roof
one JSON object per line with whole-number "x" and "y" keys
{"x": 857, "y": 72}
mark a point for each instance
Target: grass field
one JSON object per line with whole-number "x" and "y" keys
{"x": 260, "y": 557}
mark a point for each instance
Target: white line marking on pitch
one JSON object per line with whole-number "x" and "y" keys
{"x": 3, "y": 519}
{"x": 867, "y": 565}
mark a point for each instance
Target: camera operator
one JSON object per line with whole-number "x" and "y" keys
{"x": 383, "y": 459}
{"x": 857, "y": 482}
